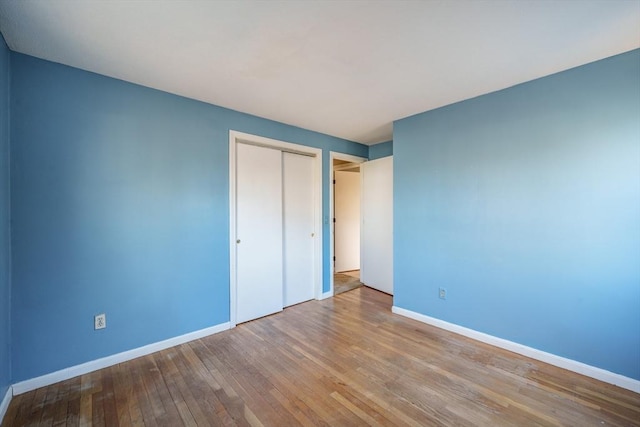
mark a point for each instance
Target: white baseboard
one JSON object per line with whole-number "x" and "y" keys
{"x": 552, "y": 359}
{"x": 94, "y": 365}
{"x": 326, "y": 295}
{"x": 4, "y": 405}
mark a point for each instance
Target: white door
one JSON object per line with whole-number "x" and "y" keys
{"x": 347, "y": 217}
{"x": 377, "y": 224}
{"x": 259, "y": 232}
{"x": 299, "y": 233}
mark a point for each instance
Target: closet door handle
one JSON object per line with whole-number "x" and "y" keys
{"x": 238, "y": 241}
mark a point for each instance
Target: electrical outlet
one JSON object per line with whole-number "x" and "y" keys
{"x": 100, "y": 321}
{"x": 442, "y": 293}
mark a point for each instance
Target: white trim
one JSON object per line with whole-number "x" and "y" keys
{"x": 232, "y": 230}
{"x": 316, "y": 153}
{"x": 4, "y": 405}
{"x": 327, "y": 294}
{"x": 348, "y": 158}
{"x": 105, "y": 362}
{"x": 552, "y": 359}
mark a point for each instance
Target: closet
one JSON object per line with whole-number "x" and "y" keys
{"x": 275, "y": 230}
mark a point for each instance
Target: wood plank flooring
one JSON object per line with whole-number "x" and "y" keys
{"x": 345, "y": 361}
{"x": 345, "y": 282}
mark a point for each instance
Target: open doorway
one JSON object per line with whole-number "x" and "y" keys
{"x": 376, "y": 222}
{"x": 346, "y": 224}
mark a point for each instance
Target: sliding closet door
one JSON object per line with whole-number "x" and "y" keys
{"x": 377, "y": 224}
{"x": 259, "y": 232}
{"x": 299, "y": 233}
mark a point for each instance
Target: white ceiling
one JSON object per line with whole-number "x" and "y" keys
{"x": 344, "y": 68}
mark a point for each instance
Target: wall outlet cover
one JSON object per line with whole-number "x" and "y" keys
{"x": 100, "y": 321}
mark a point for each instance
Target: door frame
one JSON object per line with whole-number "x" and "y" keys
{"x": 349, "y": 158}
{"x": 236, "y": 137}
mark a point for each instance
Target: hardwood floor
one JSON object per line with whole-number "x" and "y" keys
{"x": 344, "y": 361}
{"x": 343, "y": 282}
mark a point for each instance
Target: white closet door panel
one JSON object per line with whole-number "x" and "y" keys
{"x": 259, "y": 232}
{"x": 377, "y": 224}
{"x": 347, "y": 226}
{"x": 299, "y": 233}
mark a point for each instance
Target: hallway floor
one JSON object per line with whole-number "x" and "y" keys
{"x": 346, "y": 281}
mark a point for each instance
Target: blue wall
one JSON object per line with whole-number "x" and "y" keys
{"x": 5, "y": 228}
{"x": 383, "y": 149}
{"x": 525, "y": 205}
{"x": 119, "y": 196}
